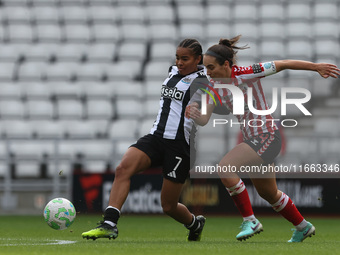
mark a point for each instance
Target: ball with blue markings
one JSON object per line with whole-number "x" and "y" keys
{"x": 59, "y": 213}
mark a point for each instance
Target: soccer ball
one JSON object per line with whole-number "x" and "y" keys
{"x": 59, "y": 213}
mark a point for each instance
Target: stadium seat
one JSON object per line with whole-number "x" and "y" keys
{"x": 244, "y": 12}
{"x": 93, "y": 90}
{"x": 327, "y": 10}
{"x": 105, "y": 3}
{"x": 124, "y": 71}
{"x": 27, "y": 169}
{"x": 129, "y": 108}
{"x": 69, "y": 109}
{"x": 326, "y": 48}
{"x": 248, "y": 30}
{"x": 151, "y": 108}
{"x": 60, "y": 71}
{"x": 12, "y": 109}
{"x": 101, "y": 52}
{"x": 79, "y": 129}
{"x": 73, "y": 14}
{"x": 134, "y": 33}
{"x": 163, "y": 33}
{"x": 326, "y": 30}
{"x": 271, "y": 11}
{"x": 16, "y": 15}
{"x": 51, "y": 3}
{"x": 99, "y": 14}
{"x": 325, "y": 127}
{"x": 7, "y": 71}
{"x": 48, "y": 129}
{"x": 45, "y": 14}
{"x": 128, "y": 90}
{"x": 71, "y": 52}
{"x": 31, "y": 149}
{"x": 160, "y": 14}
{"x": 272, "y": 31}
{"x": 271, "y": 50}
{"x": 298, "y": 11}
{"x": 35, "y": 90}
{"x": 156, "y": 70}
{"x": 16, "y": 129}
{"x": 99, "y": 109}
{"x": 299, "y": 30}
{"x": 146, "y": 125}
{"x": 152, "y": 89}
{"x": 158, "y": 2}
{"x": 190, "y": 14}
{"x": 299, "y": 49}
{"x": 3, "y": 168}
{"x": 188, "y": 2}
{"x": 40, "y": 52}
{"x": 217, "y": 13}
{"x": 20, "y": 33}
{"x": 215, "y": 31}
{"x": 129, "y": 2}
{"x": 10, "y": 91}
{"x": 191, "y": 30}
{"x": 90, "y": 72}
{"x": 131, "y": 14}
{"x": 39, "y": 109}
{"x": 132, "y": 51}
{"x": 123, "y": 129}
{"x": 12, "y": 52}
{"x": 32, "y": 71}
{"x": 15, "y": 2}
{"x": 106, "y": 33}
{"x": 49, "y": 33}
{"x": 77, "y": 33}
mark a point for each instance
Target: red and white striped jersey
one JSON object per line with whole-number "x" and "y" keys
{"x": 245, "y": 77}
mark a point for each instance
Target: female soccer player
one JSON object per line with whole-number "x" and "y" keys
{"x": 261, "y": 144}
{"x": 166, "y": 145}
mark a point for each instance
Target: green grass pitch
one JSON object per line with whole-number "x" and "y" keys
{"x": 21, "y": 235}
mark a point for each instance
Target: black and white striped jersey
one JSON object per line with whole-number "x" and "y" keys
{"x": 175, "y": 96}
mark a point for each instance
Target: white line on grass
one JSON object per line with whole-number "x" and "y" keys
{"x": 27, "y": 242}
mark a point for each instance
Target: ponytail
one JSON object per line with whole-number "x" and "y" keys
{"x": 226, "y": 50}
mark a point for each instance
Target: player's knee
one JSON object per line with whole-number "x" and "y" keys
{"x": 121, "y": 172}
{"x": 168, "y": 208}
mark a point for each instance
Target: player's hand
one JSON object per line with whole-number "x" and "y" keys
{"x": 192, "y": 111}
{"x": 326, "y": 70}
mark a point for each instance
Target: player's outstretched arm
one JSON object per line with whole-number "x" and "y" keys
{"x": 324, "y": 69}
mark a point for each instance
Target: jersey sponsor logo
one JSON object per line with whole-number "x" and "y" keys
{"x": 172, "y": 93}
{"x": 186, "y": 80}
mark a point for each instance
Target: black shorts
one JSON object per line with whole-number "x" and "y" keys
{"x": 266, "y": 145}
{"x": 172, "y": 155}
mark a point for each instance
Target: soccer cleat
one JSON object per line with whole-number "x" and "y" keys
{"x": 102, "y": 231}
{"x": 195, "y": 235}
{"x": 299, "y": 236}
{"x": 249, "y": 228}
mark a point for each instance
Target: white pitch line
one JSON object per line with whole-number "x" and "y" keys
{"x": 22, "y": 242}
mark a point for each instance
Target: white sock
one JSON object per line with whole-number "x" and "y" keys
{"x": 249, "y": 218}
{"x": 302, "y": 225}
{"x": 112, "y": 224}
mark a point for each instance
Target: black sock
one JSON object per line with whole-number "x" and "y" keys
{"x": 111, "y": 214}
{"x": 194, "y": 224}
